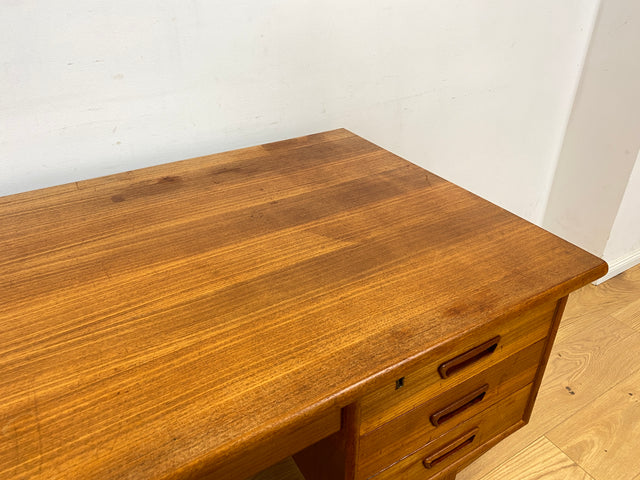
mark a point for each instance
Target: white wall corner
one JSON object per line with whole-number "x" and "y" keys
{"x": 540, "y": 217}
{"x": 623, "y": 245}
{"x": 619, "y": 265}
{"x": 597, "y": 155}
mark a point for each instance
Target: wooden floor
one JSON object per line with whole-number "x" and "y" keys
{"x": 586, "y": 422}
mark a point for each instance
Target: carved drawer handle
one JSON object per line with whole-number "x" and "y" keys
{"x": 454, "y": 447}
{"x": 450, "y": 367}
{"x": 459, "y": 406}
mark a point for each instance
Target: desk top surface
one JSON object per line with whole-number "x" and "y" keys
{"x": 155, "y": 321}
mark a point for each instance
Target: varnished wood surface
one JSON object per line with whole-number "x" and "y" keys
{"x": 483, "y": 428}
{"x": 158, "y": 323}
{"x": 588, "y": 405}
{"x": 424, "y": 383}
{"x": 413, "y": 429}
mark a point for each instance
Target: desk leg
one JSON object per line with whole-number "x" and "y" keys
{"x": 333, "y": 458}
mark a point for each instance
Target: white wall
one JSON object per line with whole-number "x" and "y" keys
{"x": 603, "y": 135}
{"x": 623, "y": 247}
{"x": 595, "y": 198}
{"x": 478, "y": 92}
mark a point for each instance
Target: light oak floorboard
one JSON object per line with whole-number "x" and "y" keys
{"x": 604, "y": 437}
{"x": 285, "y": 470}
{"x": 630, "y": 314}
{"x": 596, "y": 349}
{"x": 612, "y": 297}
{"x": 541, "y": 460}
{"x": 625, "y": 285}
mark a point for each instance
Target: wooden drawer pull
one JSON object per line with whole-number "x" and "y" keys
{"x": 454, "y": 447}
{"x": 458, "y": 406}
{"x": 458, "y": 363}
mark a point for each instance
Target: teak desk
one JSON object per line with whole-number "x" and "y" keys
{"x": 317, "y": 296}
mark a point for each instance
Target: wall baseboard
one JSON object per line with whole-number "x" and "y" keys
{"x": 620, "y": 265}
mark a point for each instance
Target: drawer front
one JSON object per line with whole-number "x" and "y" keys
{"x": 443, "y": 451}
{"x": 405, "y": 434}
{"x": 455, "y": 362}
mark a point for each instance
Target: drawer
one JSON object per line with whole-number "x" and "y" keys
{"x": 395, "y": 439}
{"x": 441, "y": 452}
{"x": 454, "y": 362}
